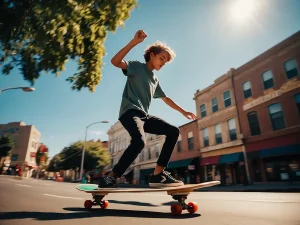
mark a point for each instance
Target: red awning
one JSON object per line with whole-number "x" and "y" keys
{"x": 212, "y": 160}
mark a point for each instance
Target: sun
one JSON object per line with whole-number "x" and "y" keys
{"x": 242, "y": 10}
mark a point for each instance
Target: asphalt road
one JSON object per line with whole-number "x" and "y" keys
{"x": 32, "y": 202}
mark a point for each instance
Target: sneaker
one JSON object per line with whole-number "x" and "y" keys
{"x": 107, "y": 182}
{"x": 164, "y": 179}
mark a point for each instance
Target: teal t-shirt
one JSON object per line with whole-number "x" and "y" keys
{"x": 141, "y": 86}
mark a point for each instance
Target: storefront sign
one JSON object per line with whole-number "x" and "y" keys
{"x": 191, "y": 167}
{"x": 271, "y": 93}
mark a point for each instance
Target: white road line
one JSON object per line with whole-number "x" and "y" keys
{"x": 23, "y": 185}
{"x": 244, "y": 200}
{"x": 57, "y": 196}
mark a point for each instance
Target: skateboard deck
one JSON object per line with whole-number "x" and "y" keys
{"x": 179, "y": 193}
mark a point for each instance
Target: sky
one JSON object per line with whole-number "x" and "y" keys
{"x": 208, "y": 36}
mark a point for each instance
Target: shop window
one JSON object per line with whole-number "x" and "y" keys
{"x": 227, "y": 99}
{"x": 205, "y": 137}
{"x": 214, "y": 103}
{"x": 268, "y": 79}
{"x": 297, "y": 100}
{"x": 232, "y": 129}
{"x": 218, "y": 134}
{"x": 253, "y": 123}
{"x": 291, "y": 69}
{"x": 276, "y": 116}
{"x": 203, "y": 111}
{"x": 247, "y": 89}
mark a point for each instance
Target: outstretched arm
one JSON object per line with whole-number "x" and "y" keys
{"x": 117, "y": 60}
{"x": 173, "y": 105}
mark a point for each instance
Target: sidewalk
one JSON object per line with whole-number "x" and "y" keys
{"x": 256, "y": 187}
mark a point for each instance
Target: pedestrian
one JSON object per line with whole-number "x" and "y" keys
{"x": 142, "y": 85}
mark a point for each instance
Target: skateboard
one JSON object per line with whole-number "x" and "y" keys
{"x": 178, "y": 193}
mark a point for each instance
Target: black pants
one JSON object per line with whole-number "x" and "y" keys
{"x": 137, "y": 123}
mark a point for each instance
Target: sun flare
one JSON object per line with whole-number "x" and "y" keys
{"x": 242, "y": 10}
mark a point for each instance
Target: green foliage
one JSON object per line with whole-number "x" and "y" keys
{"x": 96, "y": 156}
{"x": 6, "y": 145}
{"x": 41, "y": 35}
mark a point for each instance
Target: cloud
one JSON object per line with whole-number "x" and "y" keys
{"x": 96, "y": 132}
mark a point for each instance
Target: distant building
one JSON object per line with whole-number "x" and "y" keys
{"x": 27, "y": 139}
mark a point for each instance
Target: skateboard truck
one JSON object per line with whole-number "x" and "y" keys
{"x": 176, "y": 209}
{"x": 88, "y": 204}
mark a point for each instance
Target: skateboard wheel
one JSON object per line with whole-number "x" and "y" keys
{"x": 104, "y": 204}
{"x": 88, "y": 204}
{"x": 176, "y": 209}
{"x": 193, "y": 207}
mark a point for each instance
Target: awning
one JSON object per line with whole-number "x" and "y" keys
{"x": 231, "y": 158}
{"x": 179, "y": 163}
{"x": 284, "y": 150}
{"x": 212, "y": 160}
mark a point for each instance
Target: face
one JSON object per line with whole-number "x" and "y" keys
{"x": 159, "y": 60}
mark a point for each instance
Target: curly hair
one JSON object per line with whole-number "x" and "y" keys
{"x": 157, "y": 48}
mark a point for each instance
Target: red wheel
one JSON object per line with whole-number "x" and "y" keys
{"x": 88, "y": 204}
{"x": 176, "y": 209}
{"x": 193, "y": 207}
{"x": 104, "y": 204}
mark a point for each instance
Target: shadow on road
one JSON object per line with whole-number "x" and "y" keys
{"x": 132, "y": 203}
{"x": 82, "y": 213}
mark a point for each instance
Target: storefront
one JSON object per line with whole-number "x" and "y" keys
{"x": 225, "y": 165}
{"x": 187, "y": 170}
{"x": 281, "y": 164}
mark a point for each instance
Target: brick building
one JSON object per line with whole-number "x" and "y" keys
{"x": 268, "y": 97}
{"x": 219, "y": 133}
{"x": 185, "y": 160}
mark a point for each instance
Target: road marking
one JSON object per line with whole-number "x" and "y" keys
{"x": 57, "y": 196}
{"x": 11, "y": 180}
{"x": 23, "y": 185}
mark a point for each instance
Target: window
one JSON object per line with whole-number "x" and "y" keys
{"x": 227, "y": 99}
{"x": 232, "y": 129}
{"x": 190, "y": 141}
{"x": 149, "y": 153}
{"x": 157, "y": 147}
{"x": 179, "y": 147}
{"x": 205, "y": 137}
{"x": 247, "y": 89}
{"x": 218, "y": 134}
{"x": 14, "y": 157}
{"x": 203, "y": 110}
{"x": 214, "y": 104}
{"x": 297, "y": 100}
{"x": 253, "y": 123}
{"x": 268, "y": 79}
{"x": 291, "y": 68}
{"x": 276, "y": 116}
{"x": 142, "y": 156}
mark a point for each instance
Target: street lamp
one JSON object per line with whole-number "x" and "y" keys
{"x": 26, "y": 89}
{"x": 83, "y": 151}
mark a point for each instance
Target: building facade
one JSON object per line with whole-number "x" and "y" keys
{"x": 184, "y": 164}
{"x": 268, "y": 97}
{"x": 27, "y": 140}
{"x": 220, "y": 137}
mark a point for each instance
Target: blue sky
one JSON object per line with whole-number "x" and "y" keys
{"x": 208, "y": 41}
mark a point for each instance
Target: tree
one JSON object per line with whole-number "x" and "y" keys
{"x": 41, "y": 35}
{"x": 7, "y": 144}
{"x": 96, "y": 156}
